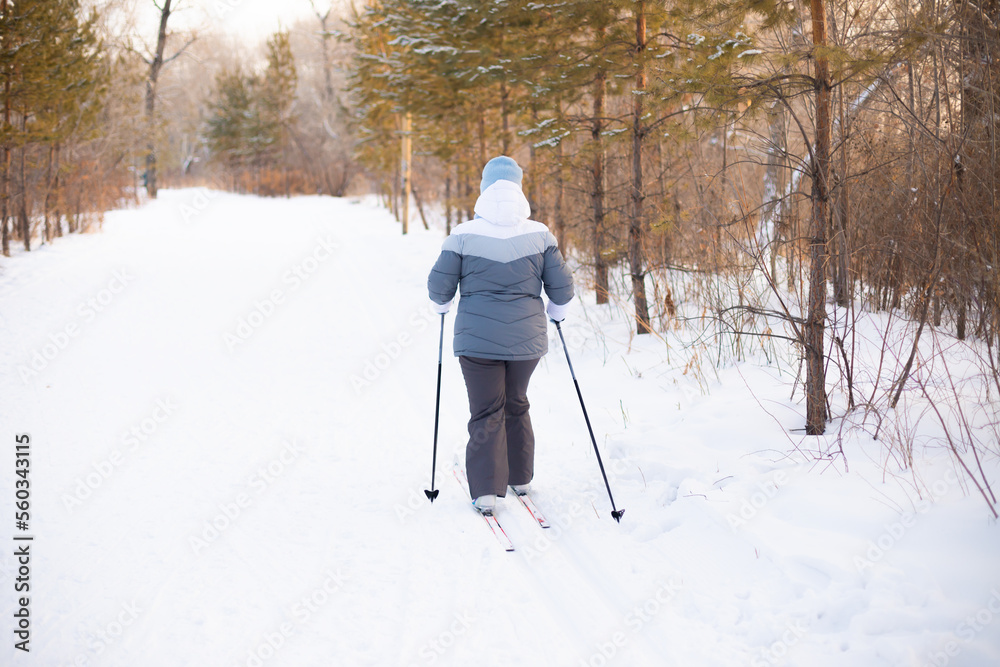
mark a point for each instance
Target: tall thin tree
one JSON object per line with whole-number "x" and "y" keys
{"x": 815, "y": 324}
{"x": 636, "y": 226}
{"x": 601, "y": 284}
{"x": 156, "y": 62}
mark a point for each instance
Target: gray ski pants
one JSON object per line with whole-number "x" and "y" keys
{"x": 501, "y": 447}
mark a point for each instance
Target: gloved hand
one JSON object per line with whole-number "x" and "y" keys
{"x": 441, "y": 308}
{"x": 556, "y": 312}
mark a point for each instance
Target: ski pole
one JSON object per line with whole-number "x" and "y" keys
{"x": 433, "y": 493}
{"x": 616, "y": 513}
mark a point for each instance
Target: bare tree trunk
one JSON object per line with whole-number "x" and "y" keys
{"x": 635, "y": 232}
{"x": 155, "y": 65}
{"x": 420, "y": 208}
{"x": 465, "y": 186}
{"x": 447, "y": 203}
{"x": 5, "y": 161}
{"x": 841, "y": 218}
{"x": 838, "y": 187}
{"x": 772, "y": 178}
{"x": 324, "y": 36}
{"x": 601, "y": 282}
{"x": 22, "y": 208}
{"x": 841, "y": 268}
{"x": 57, "y": 186}
{"x": 326, "y": 98}
{"x": 535, "y": 192}
{"x": 394, "y": 196}
{"x": 816, "y": 413}
{"x": 482, "y": 138}
{"x": 77, "y": 212}
{"x": 724, "y": 203}
{"x": 504, "y": 118}
{"x": 5, "y": 199}
{"x": 71, "y": 219}
{"x": 558, "y": 222}
{"x": 407, "y": 168}
{"x": 47, "y": 202}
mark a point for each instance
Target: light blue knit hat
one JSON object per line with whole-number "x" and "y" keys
{"x": 500, "y": 168}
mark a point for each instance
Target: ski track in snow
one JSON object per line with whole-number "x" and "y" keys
{"x": 195, "y": 504}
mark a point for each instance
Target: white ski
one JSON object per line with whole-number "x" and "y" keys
{"x": 488, "y": 515}
{"x": 529, "y": 505}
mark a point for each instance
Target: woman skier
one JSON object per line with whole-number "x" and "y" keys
{"x": 501, "y": 261}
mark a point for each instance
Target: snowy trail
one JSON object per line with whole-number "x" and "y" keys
{"x": 270, "y": 468}
{"x": 231, "y": 407}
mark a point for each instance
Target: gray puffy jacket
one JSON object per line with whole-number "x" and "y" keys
{"x": 501, "y": 260}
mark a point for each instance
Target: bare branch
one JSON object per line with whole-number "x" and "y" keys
{"x": 181, "y": 50}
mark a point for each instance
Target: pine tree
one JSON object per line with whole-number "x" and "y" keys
{"x": 251, "y": 117}
{"x": 571, "y": 57}
{"x": 275, "y": 99}
{"x": 23, "y": 62}
{"x": 50, "y": 64}
{"x": 77, "y": 84}
{"x": 229, "y": 121}
{"x": 449, "y": 65}
{"x": 375, "y": 98}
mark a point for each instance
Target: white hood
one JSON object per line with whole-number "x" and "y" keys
{"x": 503, "y": 203}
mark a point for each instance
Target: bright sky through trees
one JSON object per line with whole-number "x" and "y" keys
{"x": 252, "y": 19}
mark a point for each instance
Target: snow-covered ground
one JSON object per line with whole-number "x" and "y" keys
{"x": 230, "y": 402}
